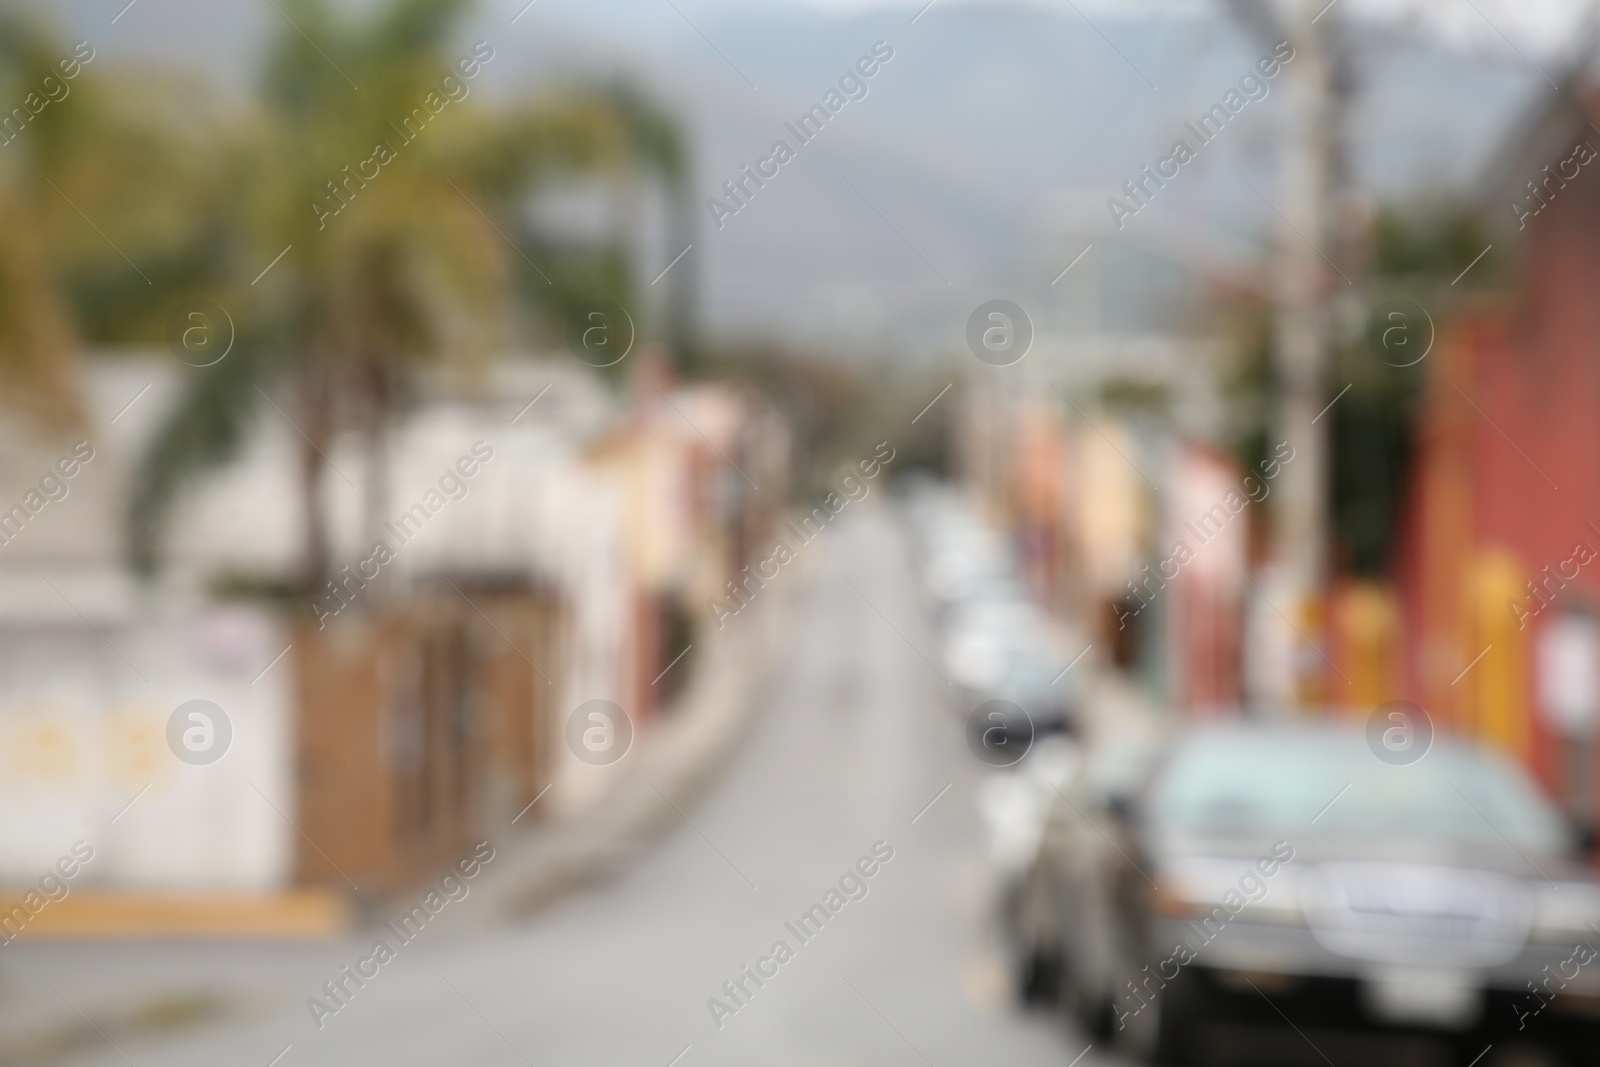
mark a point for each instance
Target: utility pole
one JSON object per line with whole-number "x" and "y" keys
{"x": 1301, "y": 282}
{"x": 1299, "y": 334}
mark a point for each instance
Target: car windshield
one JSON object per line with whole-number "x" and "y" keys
{"x": 1243, "y": 783}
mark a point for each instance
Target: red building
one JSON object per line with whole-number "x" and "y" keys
{"x": 1500, "y": 549}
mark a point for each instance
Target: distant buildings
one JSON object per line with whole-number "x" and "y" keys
{"x": 1138, "y": 532}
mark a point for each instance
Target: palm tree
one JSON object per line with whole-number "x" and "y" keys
{"x": 402, "y": 246}
{"x": 107, "y": 212}
{"x": 38, "y": 339}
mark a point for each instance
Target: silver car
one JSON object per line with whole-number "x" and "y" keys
{"x": 1287, "y": 887}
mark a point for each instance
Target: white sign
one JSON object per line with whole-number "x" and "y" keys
{"x": 1569, "y": 672}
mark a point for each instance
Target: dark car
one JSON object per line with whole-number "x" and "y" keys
{"x": 1272, "y": 874}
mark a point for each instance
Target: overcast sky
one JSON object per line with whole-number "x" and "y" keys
{"x": 923, "y": 151}
{"x": 1513, "y": 30}
{"x": 1541, "y": 24}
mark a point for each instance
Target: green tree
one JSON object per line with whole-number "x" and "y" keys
{"x": 101, "y": 208}
{"x": 395, "y": 193}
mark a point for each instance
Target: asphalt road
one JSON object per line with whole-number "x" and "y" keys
{"x": 856, "y": 743}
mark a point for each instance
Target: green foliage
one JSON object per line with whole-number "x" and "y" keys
{"x": 426, "y": 264}
{"x": 1417, "y": 255}
{"x": 209, "y": 428}
{"x": 1132, "y": 396}
{"x": 1436, "y": 242}
{"x": 1250, "y": 384}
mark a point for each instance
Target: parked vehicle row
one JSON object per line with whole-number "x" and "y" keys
{"x": 997, "y": 642}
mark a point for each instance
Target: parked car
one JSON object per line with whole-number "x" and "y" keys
{"x": 1014, "y": 803}
{"x": 998, "y": 643}
{"x": 1264, "y": 873}
{"x": 1067, "y": 888}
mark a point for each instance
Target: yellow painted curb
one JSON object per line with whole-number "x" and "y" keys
{"x": 300, "y": 913}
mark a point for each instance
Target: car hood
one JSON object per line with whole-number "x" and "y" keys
{"x": 1501, "y": 857}
{"x": 1397, "y": 900}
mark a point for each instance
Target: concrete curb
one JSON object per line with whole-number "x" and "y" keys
{"x": 677, "y": 761}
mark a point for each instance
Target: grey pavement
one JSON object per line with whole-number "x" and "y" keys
{"x": 855, "y": 733}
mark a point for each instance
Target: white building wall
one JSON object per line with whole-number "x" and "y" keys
{"x": 91, "y": 670}
{"x": 84, "y": 753}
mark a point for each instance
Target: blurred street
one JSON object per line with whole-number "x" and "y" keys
{"x": 856, "y": 735}
{"x": 816, "y": 532}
